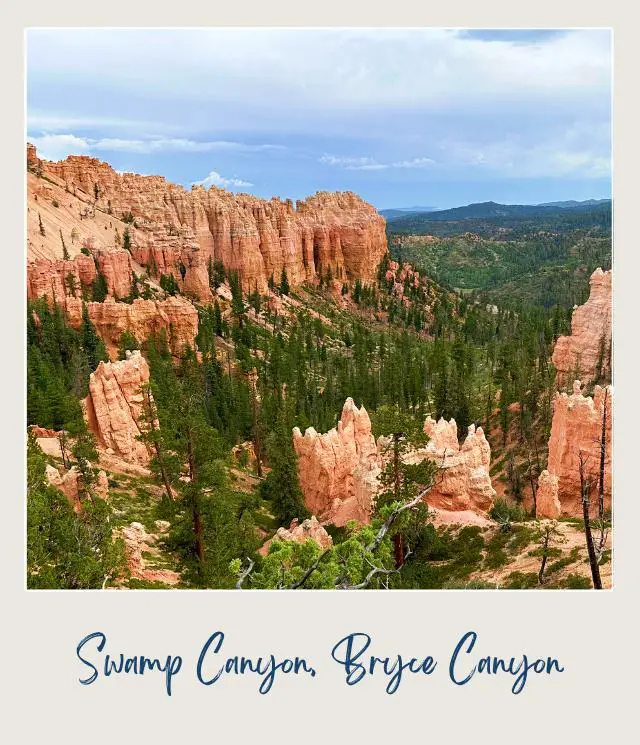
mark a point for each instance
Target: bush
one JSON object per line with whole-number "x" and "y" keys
{"x": 504, "y": 512}
{"x": 577, "y": 582}
{"x": 522, "y": 581}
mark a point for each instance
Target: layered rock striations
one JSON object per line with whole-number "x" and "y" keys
{"x": 586, "y": 353}
{"x": 115, "y": 407}
{"x": 576, "y": 431}
{"x": 60, "y": 278}
{"x": 178, "y": 232}
{"x": 174, "y": 317}
{"x": 339, "y": 470}
{"x": 462, "y": 481}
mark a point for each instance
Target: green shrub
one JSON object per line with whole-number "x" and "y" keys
{"x": 577, "y": 582}
{"x": 504, "y": 512}
{"x": 522, "y": 581}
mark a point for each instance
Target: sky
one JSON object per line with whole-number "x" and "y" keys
{"x": 403, "y": 117}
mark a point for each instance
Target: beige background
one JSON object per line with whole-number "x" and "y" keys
{"x": 591, "y": 633}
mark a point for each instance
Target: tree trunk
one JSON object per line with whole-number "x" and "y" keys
{"x": 151, "y": 413}
{"x": 593, "y": 560}
{"x": 603, "y": 450}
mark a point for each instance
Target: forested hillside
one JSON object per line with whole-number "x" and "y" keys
{"x": 541, "y": 257}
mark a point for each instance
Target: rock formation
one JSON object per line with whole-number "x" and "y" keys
{"x": 339, "y": 470}
{"x": 178, "y": 232}
{"x": 141, "y": 549}
{"x": 576, "y": 429}
{"x": 57, "y": 278}
{"x": 115, "y": 407}
{"x": 67, "y": 483}
{"x": 586, "y": 354}
{"x": 462, "y": 481}
{"x": 175, "y": 316}
{"x": 309, "y": 530}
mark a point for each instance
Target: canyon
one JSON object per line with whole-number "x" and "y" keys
{"x": 177, "y": 232}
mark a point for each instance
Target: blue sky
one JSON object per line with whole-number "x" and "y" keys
{"x": 404, "y": 117}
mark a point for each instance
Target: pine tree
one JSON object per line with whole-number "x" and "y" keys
{"x": 281, "y": 488}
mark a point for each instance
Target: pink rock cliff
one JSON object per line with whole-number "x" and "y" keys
{"x": 586, "y": 354}
{"x": 576, "y": 430}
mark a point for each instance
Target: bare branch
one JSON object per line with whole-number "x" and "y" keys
{"x": 243, "y": 575}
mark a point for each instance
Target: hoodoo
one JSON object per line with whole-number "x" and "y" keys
{"x": 339, "y": 470}
{"x": 115, "y": 407}
{"x": 586, "y": 354}
{"x": 577, "y": 432}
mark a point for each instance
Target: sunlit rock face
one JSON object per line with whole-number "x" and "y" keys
{"x": 178, "y": 232}
{"x": 586, "y": 354}
{"x": 176, "y": 317}
{"x": 462, "y": 481}
{"x": 577, "y": 430}
{"x": 115, "y": 407}
{"x": 339, "y": 470}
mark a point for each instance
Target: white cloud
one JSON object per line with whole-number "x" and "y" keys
{"x": 57, "y": 146}
{"x": 368, "y": 67}
{"x": 370, "y": 164}
{"x": 566, "y": 154}
{"x": 351, "y": 163}
{"x": 415, "y": 163}
{"x": 215, "y": 179}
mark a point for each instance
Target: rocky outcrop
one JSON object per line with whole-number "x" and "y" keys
{"x": 339, "y": 470}
{"x": 576, "y": 430}
{"x": 67, "y": 483}
{"x": 175, "y": 316}
{"x": 141, "y": 550}
{"x": 309, "y": 530}
{"x": 115, "y": 407}
{"x": 586, "y": 354}
{"x": 57, "y": 278}
{"x": 178, "y": 232}
{"x": 462, "y": 481}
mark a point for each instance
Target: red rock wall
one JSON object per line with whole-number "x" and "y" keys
{"x": 576, "y": 429}
{"x": 48, "y": 277}
{"x": 258, "y": 238}
{"x": 175, "y": 316}
{"x": 579, "y": 355}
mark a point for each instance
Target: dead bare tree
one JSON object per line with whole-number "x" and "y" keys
{"x": 585, "y": 493}
{"x": 604, "y": 532}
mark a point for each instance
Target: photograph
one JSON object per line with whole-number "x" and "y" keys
{"x": 318, "y": 308}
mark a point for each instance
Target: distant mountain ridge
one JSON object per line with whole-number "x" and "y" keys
{"x": 484, "y": 210}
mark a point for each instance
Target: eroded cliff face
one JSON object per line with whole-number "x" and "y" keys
{"x": 576, "y": 430}
{"x": 115, "y": 407}
{"x": 462, "y": 481}
{"x": 175, "y": 231}
{"x": 339, "y": 470}
{"x": 586, "y": 354}
{"x": 176, "y": 317}
{"x": 59, "y": 278}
